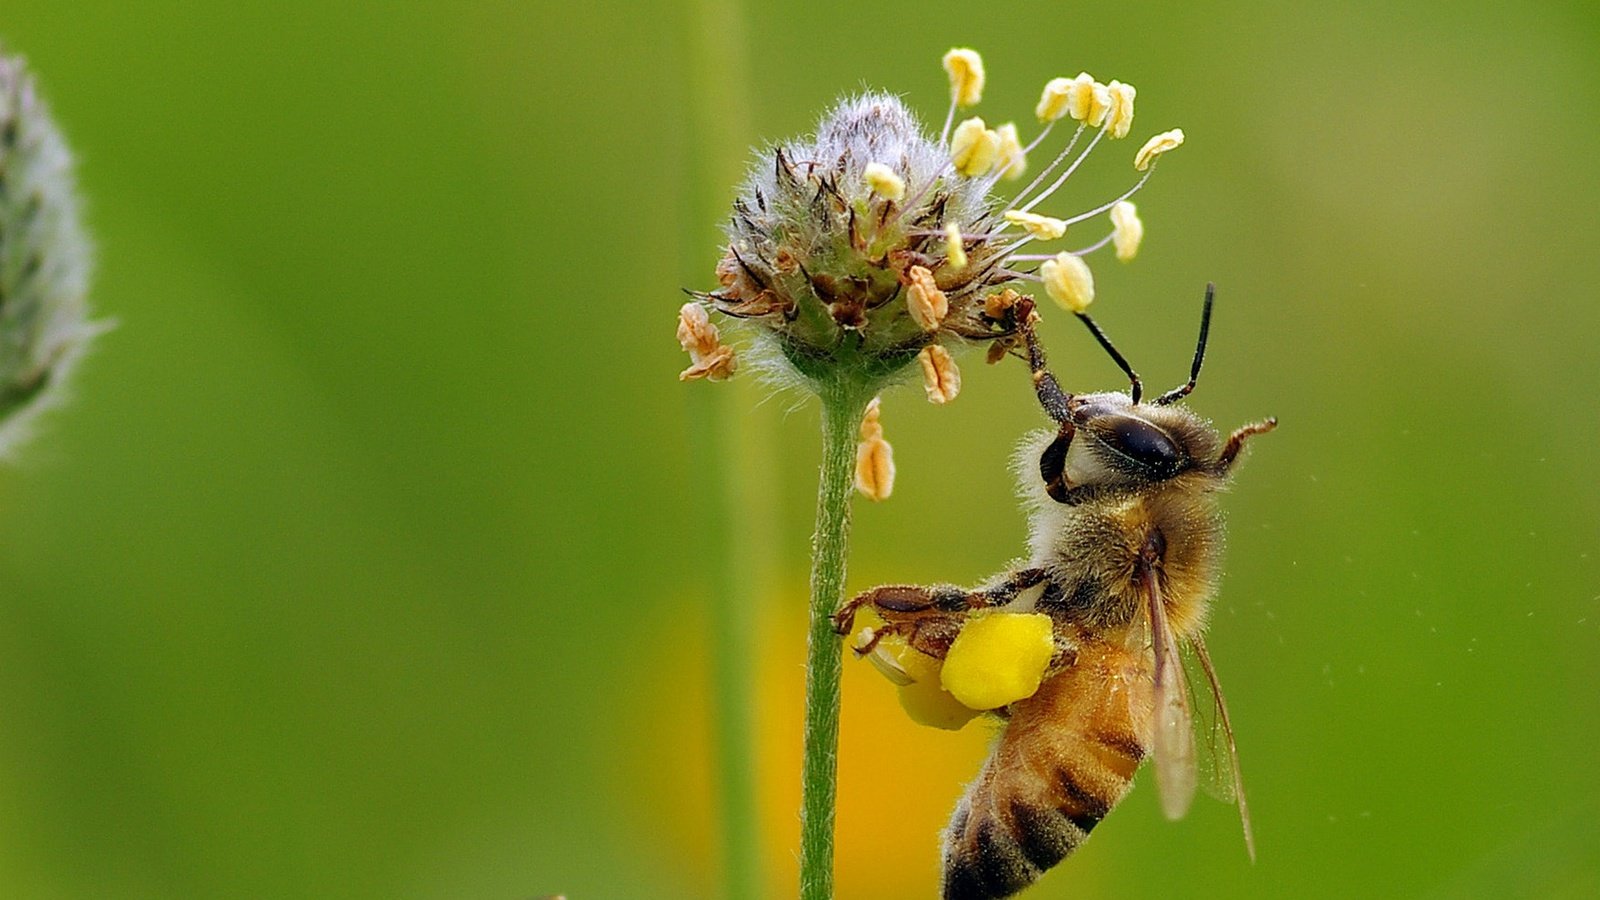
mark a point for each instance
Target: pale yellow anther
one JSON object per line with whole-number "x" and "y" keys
{"x": 1068, "y": 281}
{"x": 955, "y": 246}
{"x": 884, "y": 181}
{"x": 1055, "y": 101}
{"x": 928, "y": 304}
{"x": 1099, "y": 105}
{"x": 998, "y": 659}
{"x": 1042, "y": 228}
{"x": 965, "y": 68}
{"x": 709, "y": 358}
{"x": 974, "y": 148}
{"x": 874, "y": 458}
{"x": 1126, "y": 230}
{"x": 1080, "y": 97}
{"x": 1161, "y": 143}
{"x": 940, "y": 377}
{"x": 1119, "y": 118}
{"x": 1013, "y": 161}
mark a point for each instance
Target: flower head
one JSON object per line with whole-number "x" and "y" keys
{"x": 854, "y": 250}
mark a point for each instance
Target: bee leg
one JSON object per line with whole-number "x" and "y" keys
{"x": 892, "y": 602}
{"x": 908, "y": 603}
{"x": 1007, "y": 590}
{"x": 1053, "y": 463}
{"x": 1230, "y": 450}
{"x": 1056, "y": 402}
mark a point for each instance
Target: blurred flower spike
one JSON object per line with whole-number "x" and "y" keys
{"x": 869, "y": 251}
{"x": 44, "y": 259}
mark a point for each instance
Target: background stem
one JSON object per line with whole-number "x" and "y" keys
{"x": 738, "y": 517}
{"x": 842, "y": 407}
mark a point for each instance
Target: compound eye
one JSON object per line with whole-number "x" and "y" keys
{"x": 1144, "y": 444}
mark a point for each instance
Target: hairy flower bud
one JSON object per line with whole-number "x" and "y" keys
{"x": 874, "y": 249}
{"x": 844, "y": 278}
{"x": 44, "y": 259}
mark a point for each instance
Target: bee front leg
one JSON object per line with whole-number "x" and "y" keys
{"x": 907, "y": 603}
{"x": 1056, "y": 402}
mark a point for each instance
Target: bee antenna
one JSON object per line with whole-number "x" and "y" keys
{"x": 1136, "y": 387}
{"x": 1183, "y": 390}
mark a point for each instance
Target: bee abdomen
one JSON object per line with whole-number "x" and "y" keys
{"x": 1004, "y": 852}
{"x": 1068, "y": 756}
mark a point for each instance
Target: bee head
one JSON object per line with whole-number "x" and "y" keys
{"x": 1114, "y": 440}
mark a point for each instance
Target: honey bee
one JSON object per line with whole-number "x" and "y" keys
{"x": 1124, "y": 550}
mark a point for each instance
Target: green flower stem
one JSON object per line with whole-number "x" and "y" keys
{"x": 842, "y": 406}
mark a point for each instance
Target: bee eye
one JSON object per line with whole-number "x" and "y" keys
{"x": 1144, "y": 444}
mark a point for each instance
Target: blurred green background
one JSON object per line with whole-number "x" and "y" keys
{"x": 367, "y": 562}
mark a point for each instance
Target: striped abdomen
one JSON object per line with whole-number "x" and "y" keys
{"x": 1066, "y": 758}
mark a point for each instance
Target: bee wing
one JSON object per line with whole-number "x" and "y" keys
{"x": 1173, "y": 740}
{"x": 1230, "y": 780}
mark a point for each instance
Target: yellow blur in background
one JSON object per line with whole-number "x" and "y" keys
{"x": 370, "y": 558}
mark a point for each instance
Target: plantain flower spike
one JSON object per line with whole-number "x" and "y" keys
{"x": 44, "y": 259}
{"x": 875, "y": 249}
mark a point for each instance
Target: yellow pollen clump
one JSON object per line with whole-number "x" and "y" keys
{"x": 966, "y": 76}
{"x": 940, "y": 377}
{"x": 995, "y": 305}
{"x": 884, "y": 181}
{"x": 1040, "y": 227}
{"x": 1120, "y": 116}
{"x": 1013, "y": 161}
{"x": 915, "y": 673}
{"x": 709, "y": 358}
{"x": 974, "y": 148}
{"x": 998, "y": 659}
{"x": 928, "y": 304}
{"x": 955, "y": 249}
{"x": 874, "y": 458}
{"x": 1068, "y": 281}
{"x": 1161, "y": 143}
{"x": 1055, "y": 101}
{"x": 1126, "y": 230}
